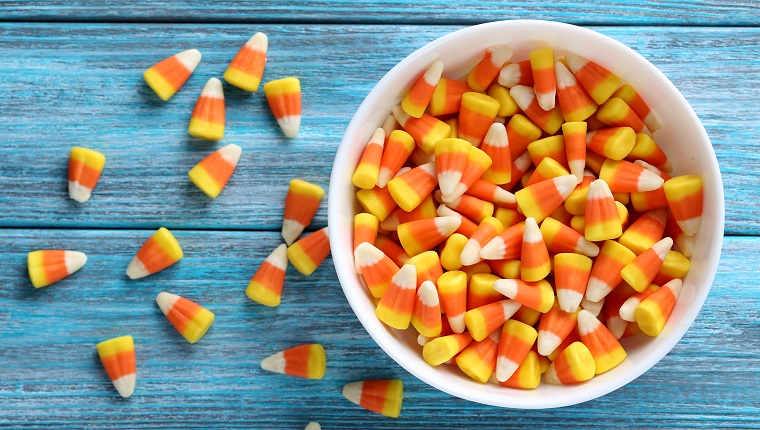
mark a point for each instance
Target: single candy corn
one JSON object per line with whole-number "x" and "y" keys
{"x": 645, "y": 231}
{"x": 118, "y": 358}
{"x": 478, "y": 360}
{"x": 629, "y": 95}
{"x": 514, "y": 345}
{"x": 452, "y": 291}
{"x": 486, "y": 319}
{"x": 157, "y": 253}
{"x": 486, "y": 71}
{"x": 548, "y": 168}
{"x": 496, "y": 146}
{"x": 489, "y": 228}
{"x": 368, "y": 170}
{"x": 477, "y": 164}
{"x": 247, "y": 67}
{"x": 574, "y": 134}
{"x": 377, "y": 268}
{"x": 540, "y": 200}
{"x": 85, "y": 167}
{"x": 626, "y": 177}
{"x": 535, "y": 264}
{"x": 451, "y": 251}
{"x": 426, "y": 316}
{"x": 647, "y": 150}
{"x": 397, "y": 304}
{"x": 615, "y": 143}
{"x": 422, "y": 235}
{"x": 571, "y": 274}
{"x": 507, "y": 105}
{"x": 365, "y": 230}
{"x": 393, "y": 250}
{"x": 266, "y": 284}
{"x": 573, "y": 365}
{"x": 428, "y": 267}
{"x": 451, "y": 156}
{"x": 684, "y": 194}
{"x": 640, "y": 272}
{"x": 443, "y": 349}
{"x": 301, "y": 204}
{"x": 553, "y": 328}
{"x": 397, "y": 150}
{"x": 653, "y": 312}
{"x": 491, "y": 192}
{"x": 535, "y": 295}
{"x": 304, "y": 361}
{"x": 519, "y": 73}
{"x": 605, "y": 275}
{"x": 447, "y": 97}
{"x": 627, "y": 310}
{"x": 551, "y": 147}
{"x": 377, "y": 201}
{"x": 506, "y": 246}
{"x": 49, "y": 266}
{"x": 480, "y": 290}
{"x": 167, "y": 76}
{"x": 411, "y": 188}
{"x": 675, "y": 265}
{"x": 476, "y": 115}
{"x": 574, "y": 101}
{"x": 602, "y": 218}
{"x": 416, "y": 100}
{"x": 284, "y": 98}
{"x": 528, "y": 374}
{"x": 616, "y": 113}
{"x": 191, "y": 320}
{"x": 214, "y": 171}
{"x": 561, "y": 238}
{"x": 309, "y": 252}
{"x": 598, "y": 82}
{"x": 466, "y": 227}
{"x": 545, "y": 81}
{"x": 550, "y": 121}
{"x": 382, "y": 396}
{"x": 521, "y": 132}
{"x": 469, "y": 206}
{"x": 425, "y": 130}
{"x": 207, "y": 121}
{"x": 606, "y": 350}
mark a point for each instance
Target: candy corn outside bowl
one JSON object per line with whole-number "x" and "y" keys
{"x": 682, "y": 137}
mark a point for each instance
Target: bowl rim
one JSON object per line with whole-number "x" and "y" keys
{"x": 345, "y": 272}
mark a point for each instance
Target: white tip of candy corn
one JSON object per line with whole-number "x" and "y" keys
{"x": 190, "y": 59}
{"x": 503, "y": 196}
{"x": 663, "y": 247}
{"x": 423, "y": 340}
{"x": 649, "y": 181}
{"x": 531, "y": 234}
{"x": 447, "y": 225}
{"x": 433, "y": 73}
{"x": 547, "y": 342}
{"x": 231, "y": 153}
{"x": 125, "y": 385}
{"x": 565, "y": 185}
{"x": 522, "y": 95}
{"x": 593, "y": 307}
{"x": 587, "y": 322}
{"x": 564, "y": 77}
{"x": 508, "y": 287}
{"x": 616, "y": 326}
{"x": 368, "y": 255}
{"x": 509, "y": 75}
{"x": 494, "y": 249}
{"x": 500, "y": 54}
{"x": 78, "y": 192}
{"x": 505, "y": 368}
{"x": 457, "y": 323}
{"x": 274, "y": 363}
{"x": 569, "y": 300}
{"x": 258, "y": 41}
{"x": 448, "y": 181}
{"x": 313, "y": 426}
{"x": 353, "y": 392}
{"x": 628, "y": 309}
{"x": 587, "y": 248}
{"x": 75, "y": 260}
{"x": 497, "y": 135}
{"x": 213, "y": 89}
{"x": 575, "y": 62}
{"x": 290, "y": 125}
{"x": 597, "y": 289}
{"x": 136, "y": 269}
{"x": 428, "y": 294}
{"x": 291, "y": 229}
{"x": 470, "y": 253}
{"x": 546, "y": 101}
{"x": 165, "y": 301}
{"x": 577, "y": 167}
{"x": 674, "y": 286}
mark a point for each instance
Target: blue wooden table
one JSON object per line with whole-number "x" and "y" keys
{"x": 70, "y": 72}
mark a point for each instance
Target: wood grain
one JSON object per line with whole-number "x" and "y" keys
{"x": 428, "y": 12}
{"x": 81, "y": 84}
{"x": 51, "y": 375}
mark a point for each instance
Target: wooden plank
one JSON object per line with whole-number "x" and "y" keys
{"x": 81, "y": 85}
{"x": 609, "y": 12}
{"x": 51, "y": 375}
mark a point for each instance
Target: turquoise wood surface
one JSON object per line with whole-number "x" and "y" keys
{"x": 78, "y": 82}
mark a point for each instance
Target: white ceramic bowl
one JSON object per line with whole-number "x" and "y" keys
{"x": 682, "y": 137}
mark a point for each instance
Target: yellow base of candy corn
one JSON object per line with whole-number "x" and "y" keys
{"x": 158, "y": 84}
{"x": 609, "y": 360}
{"x": 365, "y": 177}
{"x": 301, "y": 260}
{"x": 607, "y": 230}
{"x": 649, "y": 318}
{"x": 262, "y": 295}
{"x": 634, "y": 277}
{"x": 535, "y": 274}
{"x": 168, "y": 243}
{"x": 528, "y": 375}
{"x": 393, "y": 318}
{"x": 200, "y": 324}
{"x": 36, "y": 269}
{"x": 472, "y": 365}
{"x": 244, "y": 81}
{"x": 205, "y": 129}
{"x": 200, "y": 177}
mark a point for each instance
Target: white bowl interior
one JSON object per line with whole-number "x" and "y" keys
{"x": 682, "y": 137}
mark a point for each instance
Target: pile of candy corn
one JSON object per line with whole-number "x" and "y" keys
{"x": 523, "y": 220}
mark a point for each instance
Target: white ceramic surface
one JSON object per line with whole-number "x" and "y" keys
{"x": 682, "y": 137}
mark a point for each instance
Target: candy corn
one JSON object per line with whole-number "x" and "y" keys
{"x": 594, "y": 307}
{"x": 645, "y": 149}
{"x": 469, "y": 206}
{"x": 477, "y": 163}
{"x": 480, "y": 290}
{"x": 397, "y": 150}
{"x": 535, "y": 264}
{"x": 367, "y": 171}
{"x": 478, "y": 360}
{"x": 411, "y": 188}
{"x": 541, "y": 199}
{"x": 598, "y": 82}
{"x": 284, "y": 98}
{"x": 496, "y": 146}
{"x": 447, "y": 97}
{"x": 476, "y": 115}
{"x": 626, "y": 177}
{"x": 684, "y": 194}
{"x": 428, "y": 267}
{"x": 506, "y": 246}
{"x": 489, "y": 228}
{"x": 528, "y": 374}
{"x": 645, "y": 231}
{"x": 266, "y": 284}
{"x": 118, "y": 358}
{"x": 301, "y": 204}
{"x": 552, "y": 147}
{"x": 382, "y": 397}
{"x": 485, "y": 72}
{"x": 167, "y": 76}
{"x": 397, "y": 304}
{"x": 606, "y": 350}
{"x": 574, "y": 101}
{"x": 426, "y": 209}
{"x": 452, "y": 249}
{"x": 521, "y": 132}
{"x": 309, "y": 252}
{"x": 49, "y": 266}
{"x": 602, "y": 219}
{"x": 629, "y": 95}
{"x": 640, "y": 272}
{"x": 535, "y": 295}
{"x": 615, "y": 143}
{"x": 548, "y": 168}
{"x": 466, "y": 227}
{"x": 554, "y": 327}
{"x": 616, "y": 113}
{"x": 653, "y": 312}
{"x": 527, "y": 315}
{"x": 550, "y": 121}
{"x": 605, "y": 275}
{"x": 443, "y": 349}
{"x": 304, "y": 361}
{"x": 451, "y": 156}
{"x": 85, "y": 167}
{"x": 561, "y": 238}
{"x": 452, "y": 290}
{"x": 422, "y": 235}
{"x": 574, "y": 134}
{"x": 484, "y": 320}
{"x": 490, "y": 192}
{"x": 207, "y": 121}
{"x": 247, "y": 67}
{"x": 159, "y": 252}
{"x": 519, "y": 73}
{"x": 508, "y": 217}
{"x": 574, "y": 364}
{"x": 426, "y": 130}
{"x": 569, "y": 340}
{"x": 507, "y": 105}
{"x": 418, "y": 97}
{"x": 545, "y": 81}
{"x": 191, "y": 320}
{"x": 377, "y": 201}
{"x": 426, "y": 316}
{"x": 514, "y": 345}
{"x": 627, "y": 310}
{"x": 377, "y": 268}
{"x": 365, "y": 230}
{"x": 213, "y": 172}
{"x": 675, "y": 265}
{"x": 571, "y": 275}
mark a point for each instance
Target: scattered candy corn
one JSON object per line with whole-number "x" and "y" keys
{"x": 191, "y": 320}
{"x": 49, "y": 266}
{"x": 266, "y": 284}
{"x": 418, "y": 97}
{"x": 574, "y": 101}
{"x": 379, "y": 396}
{"x": 309, "y": 252}
{"x": 85, "y": 167}
{"x": 545, "y": 82}
{"x": 159, "y": 252}
{"x": 550, "y": 121}
{"x": 653, "y": 312}
{"x": 167, "y": 76}
{"x": 207, "y": 121}
{"x": 284, "y": 98}
{"x": 574, "y": 364}
{"x": 301, "y": 204}
{"x": 304, "y": 361}
{"x": 118, "y": 358}
{"x": 247, "y": 67}
{"x": 213, "y": 172}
